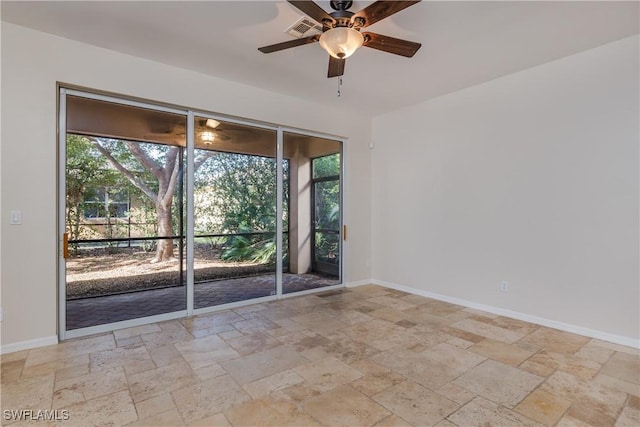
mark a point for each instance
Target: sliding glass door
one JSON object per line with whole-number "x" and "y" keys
{"x": 315, "y": 215}
{"x": 166, "y": 213}
{"x": 234, "y": 212}
{"x": 124, "y": 212}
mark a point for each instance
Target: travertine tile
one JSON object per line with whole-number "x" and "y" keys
{"x": 456, "y": 393}
{"x": 251, "y": 368}
{"x": 120, "y": 356}
{"x": 269, "y": 412}
{"x": 205, "y": 351}
{"x": 56, "y": 365}
{"x": 544, "y": 407}
{"x": 372, "y": 356}
{"x": 27, "y": 393}
{"x": 170, "y": 418}
{"x": 217, "y": 420}
{"x": 581, "y": 368}
{"x": 630, "y": 415}
{"x": 374, "y": 382}
{"x": 345, "y": 406}
{"x": 171, "y": 333}
{"x": 265, "y": 386}
{"x": 498, "y": 382}
{"x": 487, "y": 330}
{"x": 328, "y": 373}
{"x": 158, "y": 381}
{"x": 72, "y": 348}
{"x": 536, "y": 368}
{"x": 135, "y": 367}
{"x": 555, "y": 340}
{"x": 155, "y": 405}
{"x": 11, "y": 370}
{"x": 586, "y": 414}
{"x": 395, "y": 421}
{"x": 13, "y": 357}
{"x": 347, "y": 349}
{"x": 415, "y": 404}
{"x": 115, "y": 409}
{"x": 165, "y": 355}
{"x": 208, "y": 398}
{"x": 319, "y": 322}
{"x": 136, "y": 331}
{"x": 418, "y": 367}
{"x": 482, "y": 412}
{"x": 602, "y": 398}
{"x": 616, "y": 384}
{"x": 258, "y": 324}
{"x": 508, "y": 354}
{"x": 595, "y": 352}
{"x": 453, "y": 358}
{"x": 303, "y": 339}
{"x": 252, "y": 343}
{"x": 66, "y": 397}
{"x": 210, "y": 371}
{"x": 624, "y": 367}
{"x": 393, "y": 303}
{"x": 97, "y": 383}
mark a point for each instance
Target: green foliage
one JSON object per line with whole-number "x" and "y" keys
{"x": 236, "y": 193}
{"x": 327, "y": 208}
{"x": 326, "y": 166}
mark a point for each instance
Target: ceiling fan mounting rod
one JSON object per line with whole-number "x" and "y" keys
{"x": 340, "y": 5}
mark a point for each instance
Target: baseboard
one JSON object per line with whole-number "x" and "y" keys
{"x": 358, "y": 283}
{"x": 28, "y": 345}
{"x": 567, "y": 327}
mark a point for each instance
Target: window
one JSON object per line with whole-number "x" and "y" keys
{"x": 106, "y": 202}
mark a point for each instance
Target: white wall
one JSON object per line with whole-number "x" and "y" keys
{"x": 32, "y": 63}
{"x": 530, "y": 178}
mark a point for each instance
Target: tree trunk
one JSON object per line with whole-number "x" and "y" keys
{"x": 164, "y": 251}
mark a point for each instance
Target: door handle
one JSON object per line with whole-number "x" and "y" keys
{"x": 65, "y": 245}
{"x": 344, "y": 232}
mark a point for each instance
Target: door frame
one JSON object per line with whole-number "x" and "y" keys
{"x": 189, "y": 113}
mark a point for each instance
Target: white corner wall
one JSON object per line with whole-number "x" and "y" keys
{"x": 32, "y": 63}
{"x": 532, "y": 178}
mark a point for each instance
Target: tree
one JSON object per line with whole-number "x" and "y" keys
{"x": 137, "y": 161}
{"x": 85, "y": 170}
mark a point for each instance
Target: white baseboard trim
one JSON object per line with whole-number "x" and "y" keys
{"x": 567, "y": 327}
{"x": 359, "y": 283}
{"x": 28, "y": 345}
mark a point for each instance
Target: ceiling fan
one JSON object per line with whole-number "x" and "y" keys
{"x": 341, "y": 34}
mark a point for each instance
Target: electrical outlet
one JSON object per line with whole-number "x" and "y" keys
{"x": 504, "y": 286}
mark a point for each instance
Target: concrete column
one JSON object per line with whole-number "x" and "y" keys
{"x": 300, "y": 213}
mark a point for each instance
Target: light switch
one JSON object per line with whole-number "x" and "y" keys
{"x": 16, "y": 217}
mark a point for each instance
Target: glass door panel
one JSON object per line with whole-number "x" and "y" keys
{"x": 124, "y": 212}
{"x": 234, "y": 213}
{"x": 313, "y": 218}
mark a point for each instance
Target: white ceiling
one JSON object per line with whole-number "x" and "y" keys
{"x": 463, "y": 43}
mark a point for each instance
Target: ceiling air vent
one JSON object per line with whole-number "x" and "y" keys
{"x": 304, "y": 27}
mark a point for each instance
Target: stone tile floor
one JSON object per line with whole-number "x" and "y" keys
{"x": 361, "y": 357}
{"x": 85, "y": 312}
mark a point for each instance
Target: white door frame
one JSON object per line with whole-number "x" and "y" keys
{"x": 190, "y": 114}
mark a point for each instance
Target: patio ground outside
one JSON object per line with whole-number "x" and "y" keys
{"x": 93, "y": 311}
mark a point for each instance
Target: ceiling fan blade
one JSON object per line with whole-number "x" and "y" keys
{"x": 390, "y": 44}
{"x": 289, "y": 44}
{"x": 314, "y": 11}
{"x": 336, "y": 67}
{"x": 380, "y": 10}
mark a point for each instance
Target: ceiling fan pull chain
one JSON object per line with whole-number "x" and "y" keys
{"x": 339, "y": 86}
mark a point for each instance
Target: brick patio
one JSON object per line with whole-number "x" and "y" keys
{"x": 86, "y": 312}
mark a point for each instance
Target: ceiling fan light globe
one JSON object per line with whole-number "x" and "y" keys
{"x": 341, "y": 42}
